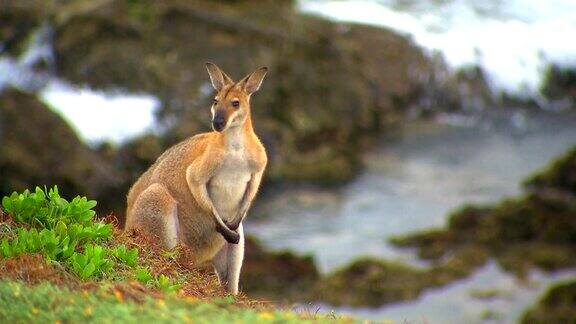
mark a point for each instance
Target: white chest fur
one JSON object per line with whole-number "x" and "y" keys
{"x": 228, "y": 185}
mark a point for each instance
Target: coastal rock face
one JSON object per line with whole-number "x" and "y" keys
{"x": 373, "y": 283}
{"x": 18, "y": 19}
{"x": 557, "y": 182}
{"x": 370, "y": 283}
{"x": 38, "y": 148}
{"x": 329, "y": 88}
{"x": 277, "y": 275}
{"x": 560, "y": 87}
{"x": 557, "y": 306}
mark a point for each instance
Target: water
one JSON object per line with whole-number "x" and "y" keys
{"x": 99, "y": 116}
{"x": 456, "y": 302}
{"x": 412, "y": 181}
{"x": 513, "y": 40}
{"x": 20, "y": 72}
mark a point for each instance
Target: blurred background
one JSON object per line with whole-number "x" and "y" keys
{"x": 422, "y": 153}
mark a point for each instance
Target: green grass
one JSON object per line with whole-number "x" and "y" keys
{"x": 46, "y": 303}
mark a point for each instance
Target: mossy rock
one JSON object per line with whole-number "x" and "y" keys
{"x": 560, "y": 83}
{"x": 458, "y": 266}
{"x": 277, "y": 275}
{"x": 370, "y": 282}
{"x": 558, "y": 179}
{"x": 557, "y": 306}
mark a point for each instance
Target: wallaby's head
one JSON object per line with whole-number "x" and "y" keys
{"x": 231, "y": 105}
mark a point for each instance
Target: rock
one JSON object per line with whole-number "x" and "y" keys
{"x": 557, "y": 183}
{"x": 557, "y": 306}
{"x": 18, "y": 20}
{"x": 370, "y": 282}
{"x": 323, "y": 99}
{"x": 38, "y": 148}
{"x": 277, "y": 275}
{"x": 559, "y": 86}
{"x": 373, "y": 283}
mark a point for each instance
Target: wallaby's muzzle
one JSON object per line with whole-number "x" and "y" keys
{"x": 219, "y": 122}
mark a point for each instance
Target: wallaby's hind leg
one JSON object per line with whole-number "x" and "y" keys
{"x": 220, "y": 263}
{"x": 228, "y": 263}
{"x": 235, "y": 258}
{"x": 155, "y": 212}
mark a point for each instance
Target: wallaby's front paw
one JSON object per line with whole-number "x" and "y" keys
{"x": 232, "y": 225}
{"x": 230, "y": 236}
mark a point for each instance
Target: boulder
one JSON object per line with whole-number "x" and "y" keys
{"x": 558, "y": 305}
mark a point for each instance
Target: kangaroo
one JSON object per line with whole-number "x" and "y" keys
{"x": 198, "y": 192}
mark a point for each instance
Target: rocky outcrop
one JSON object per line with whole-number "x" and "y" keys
{"x": 18, "y": 20}
{"x": 277, "y": 275}
{"x": 373, "y": 283}
{"x": 283, "y": 276}
{"x": 557, "y": 306}
{"x": 330, "y": 88}
{"x": 559, "y": 87}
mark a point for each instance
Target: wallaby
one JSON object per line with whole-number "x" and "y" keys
{"x": 199, "y": 191}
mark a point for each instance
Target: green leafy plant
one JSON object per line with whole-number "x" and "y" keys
{"x": 93, "y": 261}
{"x": 62, "y": 231}
{"x": 143, "y": 275}
{"x": 126, "y": 256}
{"x": 163, "y": 282}
{"x": 45, "y": 208}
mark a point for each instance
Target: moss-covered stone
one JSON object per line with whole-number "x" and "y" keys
{"x": 17, "y": 23}
{"x": 277, "y": 275}
{"x": 371, "y": 282}
{"x": 557, "y": 306}
{"x": 560, "y": 84}
{"x": 557, "y": 182}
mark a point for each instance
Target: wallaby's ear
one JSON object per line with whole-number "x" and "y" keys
{"x": 218, "y": 78}
{"x": 253, "y": 81}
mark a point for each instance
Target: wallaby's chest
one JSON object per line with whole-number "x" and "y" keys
{"x": 228, "y": 185}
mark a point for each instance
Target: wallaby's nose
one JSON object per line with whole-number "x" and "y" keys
{"x": 218, "y": 123}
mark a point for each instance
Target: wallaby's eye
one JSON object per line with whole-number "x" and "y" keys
{"x": 235, "y": 103}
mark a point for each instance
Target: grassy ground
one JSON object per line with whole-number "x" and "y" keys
{"x": 46, "y": 303}
{"x": 51, "y": 271}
